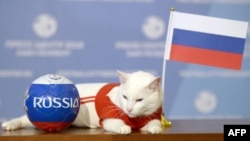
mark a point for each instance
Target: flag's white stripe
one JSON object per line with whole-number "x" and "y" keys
{"x": 210, "y": 25}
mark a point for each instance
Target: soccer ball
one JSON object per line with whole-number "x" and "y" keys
{"x": 52, "y": 102}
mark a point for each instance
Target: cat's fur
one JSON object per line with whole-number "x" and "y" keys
{"x": 138, "y": 95}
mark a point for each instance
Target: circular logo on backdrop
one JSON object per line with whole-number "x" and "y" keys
{"x": 45, "y": 26}
{"x": 153, "y": 27}
{"x": 205, "y": 102}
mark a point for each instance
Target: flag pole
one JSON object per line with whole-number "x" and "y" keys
{"x": 167, "y": 47}
{"x": 164, "y": 122}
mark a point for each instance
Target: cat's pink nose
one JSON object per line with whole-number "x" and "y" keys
{"x": 129, "y": 110}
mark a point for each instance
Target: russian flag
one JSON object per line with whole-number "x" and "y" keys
{"x": 205, "y": 40}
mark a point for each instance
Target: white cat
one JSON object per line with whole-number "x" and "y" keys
{"x": 134, "y": 103}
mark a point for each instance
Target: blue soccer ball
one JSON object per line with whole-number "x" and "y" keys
{"x": 52, "y": 102}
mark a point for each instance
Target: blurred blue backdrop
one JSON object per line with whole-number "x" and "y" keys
{"x": 88, "y": 40}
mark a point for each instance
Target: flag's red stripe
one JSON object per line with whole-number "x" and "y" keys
{"x": 205, "y": 57}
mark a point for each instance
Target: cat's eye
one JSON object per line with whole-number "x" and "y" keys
{"x": 139, "y": 100}
{"x": 124, "y": 97}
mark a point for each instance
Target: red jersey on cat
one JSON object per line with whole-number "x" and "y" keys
{"x": 105, "y": 108}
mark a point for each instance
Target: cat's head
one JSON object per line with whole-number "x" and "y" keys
{"x": 140, "y": 93}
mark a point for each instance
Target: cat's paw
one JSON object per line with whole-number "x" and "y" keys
{"x": 153, "y": 126}
{"x": 125, "y": 129}
{"x": 10, "y": 125}
{"x": 154, "y": 129}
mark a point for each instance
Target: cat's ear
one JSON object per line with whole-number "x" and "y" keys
{"x": 155, "y": 84}
{"x": 122, "y": 76}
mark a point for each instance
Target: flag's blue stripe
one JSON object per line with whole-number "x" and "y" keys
{"x": 208, "y": 41}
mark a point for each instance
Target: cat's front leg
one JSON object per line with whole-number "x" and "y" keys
{"x": 153, "y": 126}
{"x": 116, "y": 126}
{"x": 16, "y": 123}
